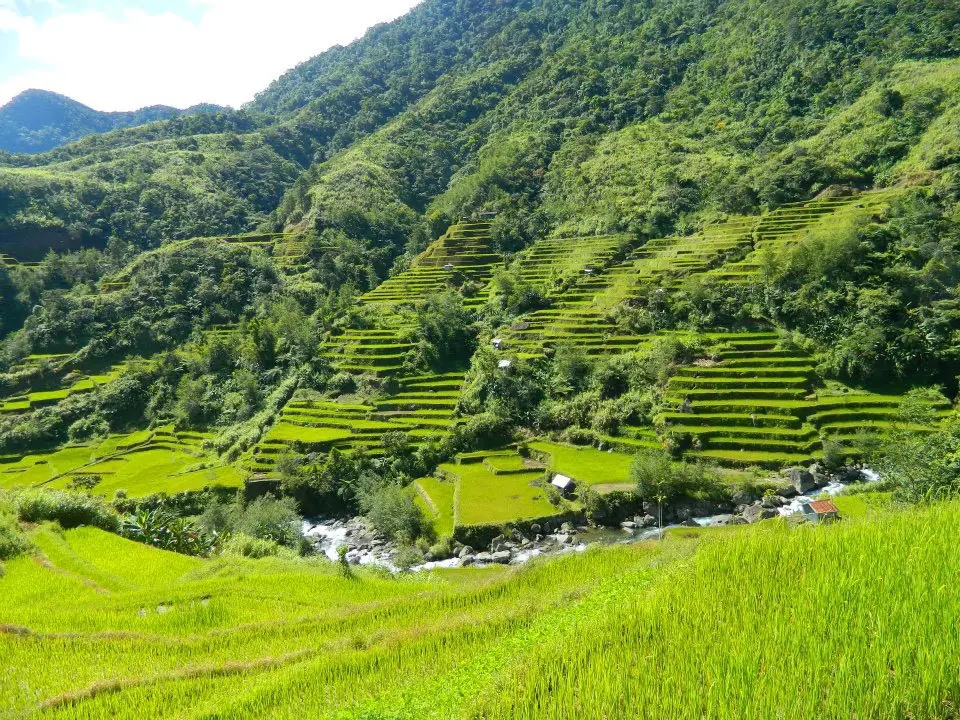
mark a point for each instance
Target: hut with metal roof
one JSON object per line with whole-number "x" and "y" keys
{"x": 820, "y": 511}
{"x": 562, "y": 483}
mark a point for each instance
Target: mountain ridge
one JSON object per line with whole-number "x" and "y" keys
{"x": 36, "y": 120}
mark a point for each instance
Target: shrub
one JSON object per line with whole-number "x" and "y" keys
{"x": 579, "y": 436}
{"x": 164, "y": 530}
{"x": 69, "y": 509}
{"x": 407, "y": 556}
{"x": 442, "y": 549}
{"x": 342, "y": 383}
{"x": 595, "y": 506}
{"x": 267, "y": 518}
{"x": 12, "y": 542}
{"x": 392, "y": 512}
{"x": 250, "y": 547}
{"x": 656, "y": 477}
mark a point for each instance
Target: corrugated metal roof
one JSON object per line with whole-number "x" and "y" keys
{"x": 561, "y": 481}
{"x": 823, "y": 506}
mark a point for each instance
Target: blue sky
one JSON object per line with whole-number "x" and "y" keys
{"x": 115, "y": 55}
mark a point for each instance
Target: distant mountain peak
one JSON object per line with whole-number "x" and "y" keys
{"x": 38, "y": 120}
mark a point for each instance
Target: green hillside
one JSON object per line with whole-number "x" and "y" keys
{"x": 515, "y": 360}
{"x": 107, "y": 627}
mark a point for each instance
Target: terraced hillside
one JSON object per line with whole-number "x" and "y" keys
{"x": 140, "y": 464}
{"x": 754, "y": 402}
{"x": 423, "y": 406}
{"x": 423, "y": 409}
{"x": 72, "y": 383}
{"x": 787, "y": 225}
{"x": 460, "y": 257}
{"x": 580, "y": 313}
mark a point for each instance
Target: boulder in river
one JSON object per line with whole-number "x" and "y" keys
{"x": 690, "y": 522}
{"x": 787, "y": 491}
{"x": 802, "y": 480}
{"x": 483, "y": 557}
{"x": 465, "y": 551}
{"x": 502, "y": 557}
{"x": 756, "y": 512}
{"x": 771, "y": 501}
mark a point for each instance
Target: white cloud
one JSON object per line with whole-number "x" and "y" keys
{"x": 235, "y": 50}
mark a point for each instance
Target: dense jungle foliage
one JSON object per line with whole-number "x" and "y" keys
{"x": 574, "y": 118}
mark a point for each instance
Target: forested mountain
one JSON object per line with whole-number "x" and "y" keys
{"x": 535, "y": 108}
{"x": 38, "y": 120}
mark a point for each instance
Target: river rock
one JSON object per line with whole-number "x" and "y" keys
{"x": 849, "y": 475}
{"x": 802, "y": 480}
{"x": 690, "y": 522}
{"x": 562, "y": 538}
{"x": 483, "y": 557}
{"x": 742, "y": 497}
{"x": 502, "y": 557}
{"x": 628, "y": 525}
{"x": 787, "y": 491}
{"x": 771, "y": 501}
{"x": 567, "y": 527}
{"x": 647, "y": 521}
{"x": 465, "y": 552}
{"x": 498, "y": 543}
{"x": 536, "y": 529}
{"x": 756, "y": 512}
{"x": 466, "y": 560}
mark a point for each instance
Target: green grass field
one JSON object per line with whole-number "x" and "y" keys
{"x": 854, "y": 619}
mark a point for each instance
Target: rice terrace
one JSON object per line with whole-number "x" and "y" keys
{"x": 517, "y": 359}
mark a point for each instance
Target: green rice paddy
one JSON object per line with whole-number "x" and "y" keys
{"x": 487, "y": 498}
{"x": 860, "y": 611}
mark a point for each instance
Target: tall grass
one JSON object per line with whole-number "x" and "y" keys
{"x": 842, "y": 621}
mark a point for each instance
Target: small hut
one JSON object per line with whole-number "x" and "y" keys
{"x": 562, "y": 483}
{"x": 820, "y": 511}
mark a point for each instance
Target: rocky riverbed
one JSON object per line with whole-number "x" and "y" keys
{"x": 796, "y": 486}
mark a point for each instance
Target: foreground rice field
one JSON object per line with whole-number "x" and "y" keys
{"x": 850, "y": 620}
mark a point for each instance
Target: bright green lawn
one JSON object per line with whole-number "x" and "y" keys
{"x": 506, "y": 463}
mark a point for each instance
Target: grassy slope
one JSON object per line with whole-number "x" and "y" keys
{"x": 835, "y": 621}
